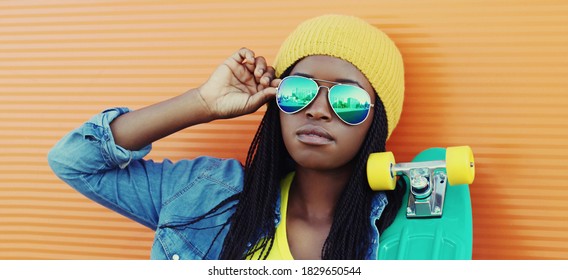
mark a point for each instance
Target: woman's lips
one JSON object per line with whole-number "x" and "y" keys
{"x": 313, "y": 135}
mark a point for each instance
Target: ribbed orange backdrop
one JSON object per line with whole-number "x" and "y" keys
{"x": 490, "y": 74}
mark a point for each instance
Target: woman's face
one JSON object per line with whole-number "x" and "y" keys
{"x": 315, "y": 137}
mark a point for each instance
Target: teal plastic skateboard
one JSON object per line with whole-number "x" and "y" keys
{"x": 435, "y": 220}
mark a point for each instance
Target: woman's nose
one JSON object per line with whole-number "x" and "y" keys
{"x": 320, "y": 108}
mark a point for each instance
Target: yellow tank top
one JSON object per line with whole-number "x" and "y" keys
{"x": 280, "y": 249}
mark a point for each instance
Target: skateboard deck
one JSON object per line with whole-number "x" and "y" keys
{"x": 447, "y": 237}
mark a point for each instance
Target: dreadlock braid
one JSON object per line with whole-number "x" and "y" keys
{"x": 253, "y": 220}
{"x": 350, "y": 236}
{"x": 252, "y": 226}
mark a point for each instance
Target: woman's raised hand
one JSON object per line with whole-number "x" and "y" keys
{"x": 239, "y": 86}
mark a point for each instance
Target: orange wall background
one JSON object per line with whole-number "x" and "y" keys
{"x": 490, "y": 74}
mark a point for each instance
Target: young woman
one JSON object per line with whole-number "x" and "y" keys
{"x": 334, "y": 96}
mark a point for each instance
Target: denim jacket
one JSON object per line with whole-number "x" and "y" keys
{"x": 159, "y": 194}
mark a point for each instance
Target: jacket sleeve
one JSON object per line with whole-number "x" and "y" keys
{"x": 88, "y": 159}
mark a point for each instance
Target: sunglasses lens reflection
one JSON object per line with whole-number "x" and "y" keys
{"x": 350, "y": 103}
{"x": 295, "y": 93}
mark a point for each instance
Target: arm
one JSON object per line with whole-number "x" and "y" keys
{"x": 103, "y": 158}
{"x": 89, "y": 161}
{"x": 239, "y": 86}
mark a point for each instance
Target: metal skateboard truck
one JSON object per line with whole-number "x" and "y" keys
{"x": 428, "y": 179}
{"x": 420, "y": 231}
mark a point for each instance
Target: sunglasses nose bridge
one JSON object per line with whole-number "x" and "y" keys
{"x": 320, "y": 92}
{"x": 325, "y": 87}
{"x": 320, "y": 107}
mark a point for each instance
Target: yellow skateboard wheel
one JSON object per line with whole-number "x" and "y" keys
{"x": 379, "y": 171}
{"x": 460, "y": 165}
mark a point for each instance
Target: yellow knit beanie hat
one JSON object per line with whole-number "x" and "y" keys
{"x": 356, "y": 41}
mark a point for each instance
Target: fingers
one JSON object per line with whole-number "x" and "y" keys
{"x": 249, "y": 60}
{"x": 265, "y": 80}
{"x": 262, "y": 73}
{"x": 245, "y": 66}
{"x": 275, "y": 83}
{"x": 260, "y": 69}
{"x": 243, "y": 55}
{"x": 267, "y": 77}
{"x": 260, "y": 98}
